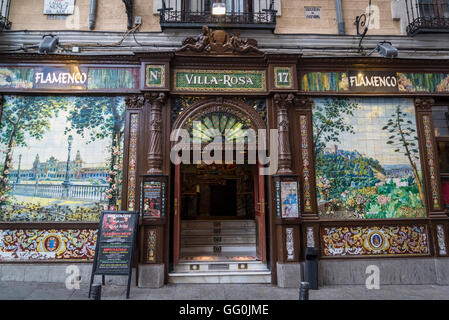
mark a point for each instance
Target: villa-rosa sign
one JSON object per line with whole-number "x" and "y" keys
{"x": 219, "y": 80}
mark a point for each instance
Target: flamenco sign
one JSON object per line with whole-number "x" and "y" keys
{"x": 60, "y": 78}
{"x": 373, "y": 81}
{"x": 229, "y": 80}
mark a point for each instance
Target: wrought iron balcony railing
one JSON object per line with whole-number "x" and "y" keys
{"x": 427, "y": 16}
{"x": 197, "y": 13}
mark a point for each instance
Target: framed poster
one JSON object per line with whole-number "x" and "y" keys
{"x": 288, "y": 202}
{"x": 153, "y": 196}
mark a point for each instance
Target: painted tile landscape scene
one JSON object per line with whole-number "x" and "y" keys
{"x": 61, "y": 157}
{"x": 367, "y": 158}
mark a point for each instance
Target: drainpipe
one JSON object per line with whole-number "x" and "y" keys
{"x": 93, "y": 13}
{"x": 341, "y": 24}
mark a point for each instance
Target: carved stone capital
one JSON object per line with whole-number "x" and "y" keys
{"x": 134, "y": 101}
{"x": 424, "y": 104}
{"x": 303, "y": 103}
{"x": 283, "y": 100}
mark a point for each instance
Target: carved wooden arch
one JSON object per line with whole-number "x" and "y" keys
{"x": 232, "y": 106}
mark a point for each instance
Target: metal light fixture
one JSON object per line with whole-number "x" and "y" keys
{"x": 385, "y": 49}
{"x": 218, "y": 8}
{"x": 48, "y": 44}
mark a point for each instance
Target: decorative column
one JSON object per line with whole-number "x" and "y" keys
{"x": 303, "y": 106}
{"x": 134, "y": 105}
{"x": 282, "y": 102}
{"x": 155, "y": 101}
{"x": 431, "y": 176}
{"x": 429, "y": 157}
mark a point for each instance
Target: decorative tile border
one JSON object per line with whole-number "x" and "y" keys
{"x": 37, "y": 244}
{"x": 132, "y": 161}
{"x": 289, "y": 243}
{"x": 305, "y": 162}
{"x": 310, "y": 240}
{"x": 431, "y": 162}
{"x": 441, "y": 240}
{"x": 151, "y": 245}
{"x": 375, "y": 241}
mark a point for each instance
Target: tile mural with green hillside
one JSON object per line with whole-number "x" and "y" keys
{"x": 367, "y": 158}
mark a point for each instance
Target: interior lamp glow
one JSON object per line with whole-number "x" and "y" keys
{"x": 218, "y": 9}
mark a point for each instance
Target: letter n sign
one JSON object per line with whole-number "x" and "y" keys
{"x": 283, "y": 78}
{"x": 154, "y": 76}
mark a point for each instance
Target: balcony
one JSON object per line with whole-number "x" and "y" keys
{"x": 427, "y": 16}
{"x": 241, "y": 14}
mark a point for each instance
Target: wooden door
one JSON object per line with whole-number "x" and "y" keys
{"x": 259, "y": 207}
{"x": 177, "y": 215}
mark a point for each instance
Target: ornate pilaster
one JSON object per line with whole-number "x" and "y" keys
{"x": 155, "y": 101}
{"x": 429, "y": 158}
{"x": 134, "y": 104}
{"x": 282, "y": 102}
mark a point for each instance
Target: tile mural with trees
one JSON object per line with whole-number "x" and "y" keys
{"x": 367, "y": 158}
{"x": 60, "y": 157}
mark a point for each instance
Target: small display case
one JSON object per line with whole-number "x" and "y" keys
{"x": 153, "y": 196}
{"x": 288, "y": 201}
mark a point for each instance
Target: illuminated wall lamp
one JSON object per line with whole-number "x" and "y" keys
{"x": 218, "y": 9}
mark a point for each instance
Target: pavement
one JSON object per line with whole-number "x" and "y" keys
{"x": 13, "y": 290}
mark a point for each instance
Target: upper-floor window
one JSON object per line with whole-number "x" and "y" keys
{"x": 427, "y": 16}
{"x": 238, "y": 13}
{"x": 434, "y": 8}
{"x": 4, "y": 14}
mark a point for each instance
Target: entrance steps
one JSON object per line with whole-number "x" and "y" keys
{"x": 220, "y": 272}
{"x": 219, "y": 251}
{"x": 206, "y": 237}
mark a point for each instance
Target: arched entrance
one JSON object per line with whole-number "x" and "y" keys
{"x": 219, "y": 205}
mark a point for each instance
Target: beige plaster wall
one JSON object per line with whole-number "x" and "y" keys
{"x": 111, "y": 16}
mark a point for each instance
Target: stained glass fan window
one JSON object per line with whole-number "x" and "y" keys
{"x": 215, "y": 124}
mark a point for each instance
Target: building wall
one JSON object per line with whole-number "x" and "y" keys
{"x": 111, "y": 16}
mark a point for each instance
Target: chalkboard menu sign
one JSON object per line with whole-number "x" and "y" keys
{"x": 115, "y": 244}
{"x": 153, "y": 190}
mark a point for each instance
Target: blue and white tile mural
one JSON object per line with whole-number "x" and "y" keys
{"x": 367, "y": 158}
{"x": 60, "y": 157}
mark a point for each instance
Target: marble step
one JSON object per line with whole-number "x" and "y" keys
{"x": 218, "y": 240}
{"x": 216, "y": 266}
{"x": 221, "y": 277}
{"x": 222, "y": 224}
{"x": 211, "y": 249}
{"x": 212, "y": 232}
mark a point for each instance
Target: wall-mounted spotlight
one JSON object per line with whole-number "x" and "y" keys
{"x": 48, "y": 44}
{"x": 385, "y": 49}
